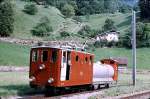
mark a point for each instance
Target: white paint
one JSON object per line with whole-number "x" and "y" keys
{"x": 63, "y": 66}
{"x": 112, "y": 36}
{"x": 102, "y": 72}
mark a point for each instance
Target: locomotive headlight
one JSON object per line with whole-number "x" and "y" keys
{"x": 32, "y": 78}
{"x": 42, "y": 66}
{"x": 50, "y": 80}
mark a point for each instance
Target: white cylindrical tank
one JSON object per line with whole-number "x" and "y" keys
{"x": 102, "y": 70}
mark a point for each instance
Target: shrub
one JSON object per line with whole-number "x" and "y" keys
{"x": 68, "y": 10}
{"x": 64, "y": 34}
{"x": 43, "y": 28}
{"x": 109, "y": 25}
{"x": 85, "y": 31}
{"x": 30, "y": 9}
{"x": 6, "y": 18}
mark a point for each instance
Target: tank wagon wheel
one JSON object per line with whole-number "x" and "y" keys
{"x": 96, "y": 87}
{"x": 107, "y": 85}
{"x": 99, "y": 86}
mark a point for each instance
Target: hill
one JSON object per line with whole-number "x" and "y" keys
{"x": 122, "y": 21}
{"x": 24, "y": 22}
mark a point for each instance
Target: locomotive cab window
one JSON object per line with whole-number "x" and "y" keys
{"x": 111, "y": 62}
{"x": 54, "y": 56}
{"x": 44, "y": 56}
{"x": 34, "y": 55}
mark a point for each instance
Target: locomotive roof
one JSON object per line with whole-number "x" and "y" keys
{"x": 61, "y": 48}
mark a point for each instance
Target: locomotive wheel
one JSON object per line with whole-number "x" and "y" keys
{"x": 33, "y": 86}
{"x": 51, "y": 91}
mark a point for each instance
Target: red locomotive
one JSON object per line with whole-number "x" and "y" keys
{"x": 60, "y": 68}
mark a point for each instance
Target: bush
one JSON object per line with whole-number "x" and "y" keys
{"x": 64, "y": 34}
{"x": 142, "y": 36}
{"x": 109, "y": 25}
{"x": 86, "y": 31}
{"x": 30, "y": 9}
{"x": 68, "y": 10}
{"x": 6, "y": 18}
{"x": 43, "y": 28}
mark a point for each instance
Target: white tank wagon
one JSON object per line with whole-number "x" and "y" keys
{"x": 105, "y": 71}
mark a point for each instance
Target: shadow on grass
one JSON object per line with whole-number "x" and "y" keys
{"x": 20, "y": 90}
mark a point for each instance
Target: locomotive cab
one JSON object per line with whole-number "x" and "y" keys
{"x": 43, "y": 64}
{"x": 58, "y": 67}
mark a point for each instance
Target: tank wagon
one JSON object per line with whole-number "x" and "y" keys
{"x": 58, "y": 68}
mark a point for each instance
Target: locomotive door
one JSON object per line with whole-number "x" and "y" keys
{"x": 65, "y": 65}
{"x": 43, "y": 66}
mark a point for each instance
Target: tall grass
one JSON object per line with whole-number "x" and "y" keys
{"x": 143, "y": 55}
{"x": 14, "y": 55}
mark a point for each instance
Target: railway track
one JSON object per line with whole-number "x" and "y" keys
{"x": 87, "y": 94}
{"x": 136, "y": 95}
{"x": 76, "y": 95}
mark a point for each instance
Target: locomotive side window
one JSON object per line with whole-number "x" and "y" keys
{"x": 54, "y": 55}
{"x": 86, "y": 59}
{"x": 77, "y": 58}
{"x": 44, "y": 56}
{"x": 34, "y": 55}
{"x": 91, "y": 59}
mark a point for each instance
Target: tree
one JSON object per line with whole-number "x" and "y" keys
{"x": 30, "y": 9}
{"x": 145, "y": 9}
{"x": 109, "y": 25}
{"x": 68, "y": 10}
{"x": 110, "y": 6}
{"x": 142, "y": 36}
{"x": 86, "y": 31}
{"x": 43, "y": 28}
{"x": 6, "y": 18}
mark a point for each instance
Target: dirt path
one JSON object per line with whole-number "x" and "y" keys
{"x": 14, "y": 69}
{"x": 19, "y": 41}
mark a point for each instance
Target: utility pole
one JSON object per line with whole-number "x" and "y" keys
{"x": 134, "y": 47}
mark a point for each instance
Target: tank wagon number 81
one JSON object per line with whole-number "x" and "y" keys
{"x": 61, "y": 68}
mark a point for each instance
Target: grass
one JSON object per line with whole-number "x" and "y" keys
{"x": 14, "y": 55}
{"x": 124, "y": 86}
{"x": 143, "y": 55}
{"x": 16, "y": 83}
{"x": 18, "y": 55}
{"x": 13, "y": 83}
